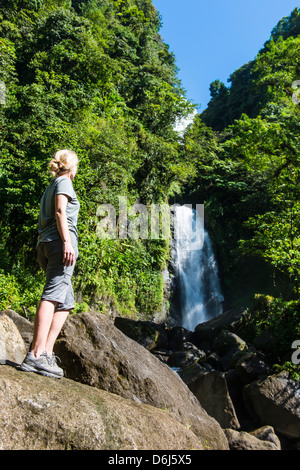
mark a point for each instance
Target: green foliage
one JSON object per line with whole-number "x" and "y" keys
{"x": 287, "y": 26}
{"x": 280, "y": 317}
{"x": 20, "y": 290}
{"x": 288, "y": 366}
{"x": 96, "y": 77}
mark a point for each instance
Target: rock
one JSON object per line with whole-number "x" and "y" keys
{"x": 227, "y": 341}
{"x": 212, "y": 392}
{"x": 93, "y": 351}
{"x": 275, "y": 401}
{"x": 192, "y": 372}
{"x": 41, "y": 413}
{"x": 229, "y": 360}
{"x": 24, "y": 326}
{"x": 179, "y": 359}
{"x": 250, "y": 367}
{"x": 267, "y": 433}
{"x": 214, "y": 360}
{"x": 189, "y": 355}
{"x": 245, "y": 441}
{"x": 163, "y": 355}
{"x": 235, "y": 389}
{"x": 12, "y": 346}
{"x": 149, "y": 334}
{"x": 177, "y": 336}
{"x": 228, "y": 346}
{"x": 232, "y": 320}
{"x": 154, "y": 336}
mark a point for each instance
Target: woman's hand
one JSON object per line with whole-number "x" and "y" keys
{"x": 68, "y": 253}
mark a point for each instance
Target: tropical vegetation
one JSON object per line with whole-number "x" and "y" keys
{"x": 96, "y": 76}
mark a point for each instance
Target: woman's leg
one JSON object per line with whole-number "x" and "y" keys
{"x": 47, "y": 326}
{"x": 58, "y": 321}
{"x": 42, "y": 324}
{"x": 48, "y": 322}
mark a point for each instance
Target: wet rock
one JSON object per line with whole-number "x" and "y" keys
{"x": 192, "y": 372}
{"x": 188, "y": 355}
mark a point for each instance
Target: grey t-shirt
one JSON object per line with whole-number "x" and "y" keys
{"x": 47, "y": 227}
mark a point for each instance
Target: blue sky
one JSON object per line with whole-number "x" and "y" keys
{"x": 211, "y": 39}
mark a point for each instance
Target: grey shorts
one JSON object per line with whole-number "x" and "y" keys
{"x": 58, "y": 287}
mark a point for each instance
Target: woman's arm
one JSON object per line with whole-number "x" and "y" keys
{"x": 61, "y": 201}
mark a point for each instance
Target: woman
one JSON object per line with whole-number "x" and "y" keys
{"x": 57, "y": 251}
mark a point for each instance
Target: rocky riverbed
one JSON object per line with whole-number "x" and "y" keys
{"x": 232, "y": 379}
{"x": 132, "y": 385}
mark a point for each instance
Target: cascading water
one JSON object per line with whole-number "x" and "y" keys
{"x": 196, "y": 270}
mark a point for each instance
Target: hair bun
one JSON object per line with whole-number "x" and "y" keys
{"x": 54, "y": 167}
{"x": 63, "y": 161}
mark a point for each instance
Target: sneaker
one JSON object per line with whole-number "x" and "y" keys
{"x": 57, "y": 369}
{"x": 44, "y": 364}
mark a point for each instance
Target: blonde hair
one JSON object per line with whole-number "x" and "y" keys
{"x": 64, "y": 160}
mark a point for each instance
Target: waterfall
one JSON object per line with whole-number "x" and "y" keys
{"x": 196, "y": 270}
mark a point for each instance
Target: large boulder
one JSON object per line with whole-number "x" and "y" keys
{"x": 93, "y": 351}
{"x": 25, "y": 326}
{"x": 229, "y": 347}
{"x": 275, "y": 401}
{"x": 42, "y": 413}
{"x": 227, "y": 341}
{"x": 12, "y": 345}
{"x": 211, "y": 390}
{"x": 251, "y": 367}
{"x": 232, "y": 320}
